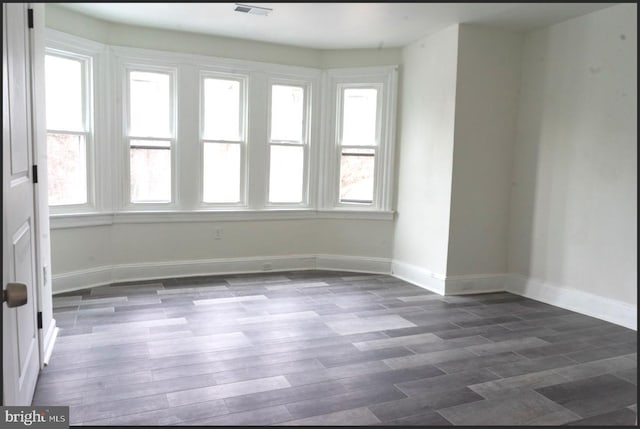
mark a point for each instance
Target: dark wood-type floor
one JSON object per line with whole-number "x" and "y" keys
{"x": 331, "y": 348}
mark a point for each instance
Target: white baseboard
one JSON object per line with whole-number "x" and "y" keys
{"x": 353, "y": 263}
{"x": 607, "y": 309}
{"x": 49, "y": 340}
{"x": 585, "y": 303}
{"x": 75, "y": 280}
{"x": 448, "y": 285}
{"x": 475, "y": 283}
{"x": 418, "y": 276}
{"x": 159, "y": 270}
{"x": 81, "y": 279}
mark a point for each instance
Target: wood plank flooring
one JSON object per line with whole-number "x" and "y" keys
{"x": 331, "y": 348}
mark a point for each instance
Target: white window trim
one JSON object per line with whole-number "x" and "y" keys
{"x": 385, "y": 80}
{"x": 309, "y": 137}
{"x": 339, "y": 146}
{"x": 78, "y": 220}
{"x": 243, "y": 78}
{"x": 111, "y": 180}
{"x": 125, "y": 66}
{"x": 93, "y": 56}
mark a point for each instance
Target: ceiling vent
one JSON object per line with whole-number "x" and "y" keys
{"x": 254, "y": 10}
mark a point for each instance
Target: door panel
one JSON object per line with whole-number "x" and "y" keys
{"x": 19, "y": 328}
{"x": 18, "y": 74}
{"x": 23, "y": 263}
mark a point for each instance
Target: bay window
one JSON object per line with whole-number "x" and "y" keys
{"x": 169, "y": 136}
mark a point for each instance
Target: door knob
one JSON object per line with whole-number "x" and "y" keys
{"x": 15, "y": 295}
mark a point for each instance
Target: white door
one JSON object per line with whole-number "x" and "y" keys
{"x": 19, "y": 325}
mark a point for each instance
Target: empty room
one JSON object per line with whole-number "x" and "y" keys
{"x": 334, "y": 214}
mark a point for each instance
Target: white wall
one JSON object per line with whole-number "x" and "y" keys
{"x": 488, "y": 79}
{"x": 459, "y": 107}
{"x": 425, "y": 151}
{"x": 77, "y": 249}
{"x": 335, "y": 58}
{"x": 573, "y": 222}
{"x": 116, "y": 34}
{"x": 71, "y": 22}
{"x": 175, "y": 241}
{"x": 100, "y": 254}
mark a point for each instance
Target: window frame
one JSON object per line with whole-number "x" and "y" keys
{"x": 384, "y": 80}
{"x": 87, "y": 94}
{"x": 341, "y": 88}
{"x": 111, "y": 174}
{"x": 244, "y": 79}
{"x": 305, "y": 143}
{"x": 126, "y": 137}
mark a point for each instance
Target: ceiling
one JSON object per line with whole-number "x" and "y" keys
{"x": 334, "y": 25}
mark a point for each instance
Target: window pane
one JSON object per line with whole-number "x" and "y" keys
{"x": 286, "y": 174}
{"x": 287, "y": 110}
{"x": 359, "y": 116}
{"x": 63, "y": 91}
{"x": 67, "y": 169}
{"x": 150, "y": 173}
{"x": 150, "y": 104}
{"x": 222, "y": 110}
{"x": 221, "y": 173}
{"x": 356, "y": 175}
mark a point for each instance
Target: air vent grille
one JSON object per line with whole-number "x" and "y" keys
{"x": 254, "y": 10}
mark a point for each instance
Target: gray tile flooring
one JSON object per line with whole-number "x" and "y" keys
{"x": 331, "y": 348}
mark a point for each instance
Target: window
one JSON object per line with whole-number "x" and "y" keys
{"x": 67, "y": 86}
{"x": 210, "y": 138}
{"x": 150, "y": 135}
{"x": 358, "y": 144}
{"x": 287, "y": 144}
{"x": 223, "y": 139}
{"x": 360, "y": 162}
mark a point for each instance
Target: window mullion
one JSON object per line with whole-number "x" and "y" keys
{"x": 75, "y": 133}
{"x": 164, "y": 138}
{"x": 257, "y": 142}
{"x": 281, "y": 143}
{"x": 223, "y": 141}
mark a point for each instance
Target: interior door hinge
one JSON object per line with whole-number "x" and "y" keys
{"x": 30, "y": 17}
{"x": 39, "y": 319}
{"x": 35, "y": 174}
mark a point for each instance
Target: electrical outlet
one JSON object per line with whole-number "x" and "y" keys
{"x": 217, "y": 234}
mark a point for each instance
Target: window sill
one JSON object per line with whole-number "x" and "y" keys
{"x": 78, "y": 220}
